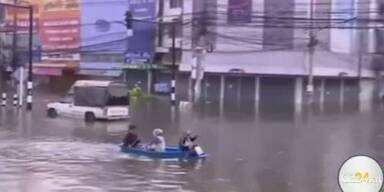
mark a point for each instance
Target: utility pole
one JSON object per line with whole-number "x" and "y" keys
{"x": 2, "y": 62}
{"x": 14, "y": 36}
{"x": 14, "y": 52}
{"x": 160, "y": 26}
{"x": 30, "y": 72}
{"x": 360, "y": 55}
{"x": 173, "y": 80}
{"x": 197, "y": 73}
{"x": 2, "y": 85}
{"x": 311, "y": 49}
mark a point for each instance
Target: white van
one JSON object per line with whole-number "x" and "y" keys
{"x": 92, "y": 100}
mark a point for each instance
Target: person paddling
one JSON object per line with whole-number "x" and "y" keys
{"x": 186, "y": 142}
{"x": 131, "y": 139}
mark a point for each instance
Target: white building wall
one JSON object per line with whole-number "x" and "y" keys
{"x": 233, "y": 38}
{"x": 278, "y": 63}
{"x": 341, "y": 39}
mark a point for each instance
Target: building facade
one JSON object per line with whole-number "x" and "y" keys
{"x": 258, "y": 51}
{"x": 254, "y": 49}
{"x": 78, "y": 39}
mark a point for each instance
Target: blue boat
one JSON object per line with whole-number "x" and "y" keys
{"x": 171, "y": 152}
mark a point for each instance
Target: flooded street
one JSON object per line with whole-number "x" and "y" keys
{"x": 247, "y": 151}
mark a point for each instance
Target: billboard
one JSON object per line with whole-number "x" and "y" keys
{"x": 101, "y": 32}
{"x": 239, "y": 11}
{"x": 141, "y": 45}
{"x": 60, "y": 26}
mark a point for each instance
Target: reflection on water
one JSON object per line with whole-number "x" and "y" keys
{"x": 247, "y": 152}
{"x": 56, "y": 165}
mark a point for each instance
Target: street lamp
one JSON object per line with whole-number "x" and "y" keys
{"x": 173, "y": 81}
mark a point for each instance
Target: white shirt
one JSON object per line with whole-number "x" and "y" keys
{"x": 159, "y": 145}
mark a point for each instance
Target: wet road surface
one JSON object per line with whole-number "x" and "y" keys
{"x": 246, "y": 153}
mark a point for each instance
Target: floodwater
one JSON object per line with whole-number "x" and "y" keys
{"x": 247, "y": 151}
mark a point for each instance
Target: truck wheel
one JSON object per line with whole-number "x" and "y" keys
{"x": 52, "y": 113}
{"x": 90, "y": 117}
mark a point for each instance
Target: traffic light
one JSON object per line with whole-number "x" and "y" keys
{"x": 128, "y": 19}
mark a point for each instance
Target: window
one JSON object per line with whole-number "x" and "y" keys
{"x": 115, "y": 95}
{"x": 90, "y": 96}
{"x": 168, "y": 30}
{"x": 381, "y": 9}
{"x": 118, "y": 95}
{"x": 67, "y": 99}
{"x": 175, "y": 3}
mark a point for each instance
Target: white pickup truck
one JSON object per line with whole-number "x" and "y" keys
{"x": 93, "y": 100}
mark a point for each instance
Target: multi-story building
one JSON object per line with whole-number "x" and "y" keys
{"x": 259, "y": 51}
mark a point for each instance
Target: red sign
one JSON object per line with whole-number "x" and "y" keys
{"x": 59, "y": 34}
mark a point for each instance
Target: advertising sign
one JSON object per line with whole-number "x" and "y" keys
{"x": 141, "y": 44}
{"x": 60, "y": 25}
{"x": 58, "y": 34}
{"x": 103, "y": 32}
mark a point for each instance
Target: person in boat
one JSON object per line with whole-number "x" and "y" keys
{"x": 186, "y": 142}
{"x": 158, "y": 142}
{"x": 131, "y": 139}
